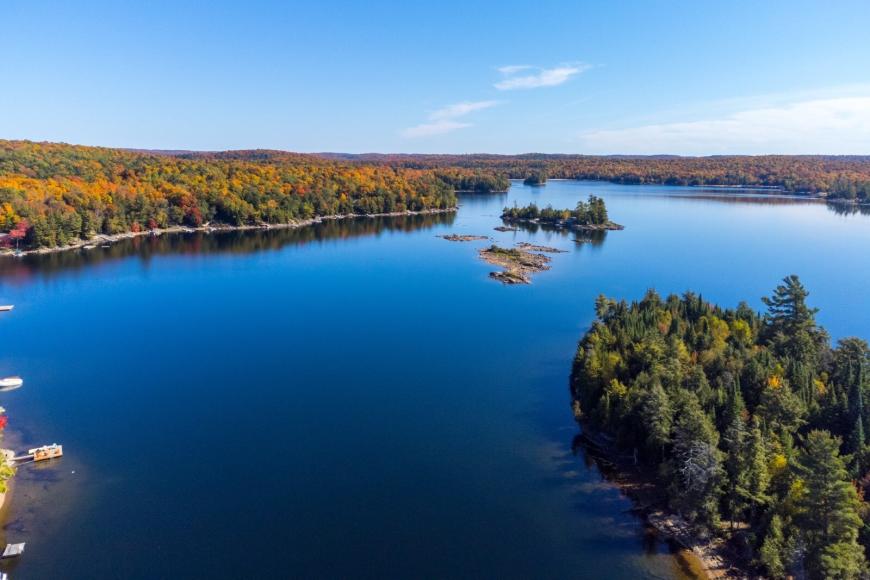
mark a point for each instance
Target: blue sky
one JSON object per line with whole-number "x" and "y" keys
{"x": 453, "y": 76}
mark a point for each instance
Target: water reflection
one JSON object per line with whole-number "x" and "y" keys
{"x": 848, "y": 208}
{"x": 226, "y": 242}
{"x": 728, "y": 197}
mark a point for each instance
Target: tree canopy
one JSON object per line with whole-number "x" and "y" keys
{"x": 63, "y": 192}
{"x": 745, "y": 417}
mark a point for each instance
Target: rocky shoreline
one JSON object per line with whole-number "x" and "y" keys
{"x": 103, "y": 239}
{"x": 703, "y": 555}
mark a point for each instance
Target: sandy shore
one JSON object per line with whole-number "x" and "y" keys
{"x": 102, "y": 239}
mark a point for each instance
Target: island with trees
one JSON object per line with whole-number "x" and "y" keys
{"x": 753, "y": 427}
{"x": 537, "y": 178}
{"x": 589, "y": 215}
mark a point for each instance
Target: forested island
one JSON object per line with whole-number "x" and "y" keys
{"x": 588, "y": 215}
{"x": 536, "y": 179}
{"x": 752, "y": 426}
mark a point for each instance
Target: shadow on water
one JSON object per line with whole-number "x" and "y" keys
{"x": 217, "y": 242}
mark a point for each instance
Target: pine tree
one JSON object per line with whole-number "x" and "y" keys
{"x": 657, "y": 417}
{"x": 773, "y": 549}
{"x": 787, "y": 311}
{"x": 756, "y": 476}
{"x": 791, "y": 324}
{"x": 829, "y": 508}
{"x": 734, "y": 442}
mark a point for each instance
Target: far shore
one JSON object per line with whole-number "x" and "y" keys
{"x": 102, "y": 239}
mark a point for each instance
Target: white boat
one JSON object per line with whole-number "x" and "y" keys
{"x": 9, "y": 383}
{"x": 6, "y": 307}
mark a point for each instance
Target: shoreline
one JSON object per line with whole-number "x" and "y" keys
{"x": 709, "y": 557}
{"x": 100, "y": 239}
{"x": 5, "y": 495}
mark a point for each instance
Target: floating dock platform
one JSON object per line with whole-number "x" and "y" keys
{"x": 13, "y": 550}
{"x": 43, "y": 453}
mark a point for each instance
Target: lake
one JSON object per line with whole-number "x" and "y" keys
{"x": 358, "y": 398}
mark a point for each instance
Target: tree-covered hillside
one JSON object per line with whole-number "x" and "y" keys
{"x": 756, "y": 426}
{"x": 56, "y": 193}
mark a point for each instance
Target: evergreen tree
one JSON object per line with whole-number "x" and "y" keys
{"x": 773, "y": 550}
{"x": 756, "y": 475}
{"x": 656, "y": 414}
{"x": 791, "y": 324}
{"x": 828, "y": 507}
{"x": 696, "y": 469}
{"x": 734, "y": 441}
{"x": 787, "y": 311}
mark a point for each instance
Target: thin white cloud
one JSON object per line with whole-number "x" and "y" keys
{"x": 444, "y": 120}
{"x": 435, "y": 128}
{"x": 832, "y": 125}
{"x": 513, "y": 69}
{"x": 461, "y": 109}
{"x": 545, "y": 77}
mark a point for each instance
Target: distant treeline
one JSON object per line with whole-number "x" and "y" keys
{"x": 754, "y": 424}
{"x": 51, "y": 194}
{"x": 843, "y": 177}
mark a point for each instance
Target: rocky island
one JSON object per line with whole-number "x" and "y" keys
{"x": 462, "y": 238}
{"x": 518, "y": 263}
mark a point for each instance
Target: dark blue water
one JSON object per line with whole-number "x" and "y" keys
{"x": 359, "y": 399}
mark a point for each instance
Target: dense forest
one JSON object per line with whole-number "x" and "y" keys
{"x": 586, "y": 213}
{"x": 756, "y": 427}
{"x": 843, "y": 177}
{"x": 51, "y": 194}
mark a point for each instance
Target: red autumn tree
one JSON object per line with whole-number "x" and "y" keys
{"x": 19, "y": 232}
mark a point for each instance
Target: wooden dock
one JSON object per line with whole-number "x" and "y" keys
{"x": 43, "y": 453}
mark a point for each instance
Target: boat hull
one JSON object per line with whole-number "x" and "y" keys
{"x": 10, "y": 383}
